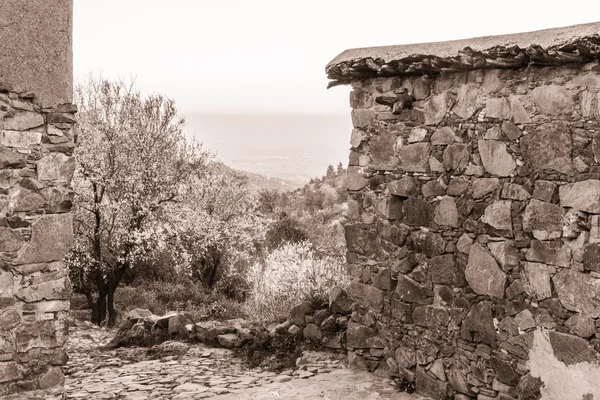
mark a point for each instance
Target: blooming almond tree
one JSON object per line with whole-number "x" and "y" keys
{"x": 133, "y": 162}
{"x": 218, "y": 224}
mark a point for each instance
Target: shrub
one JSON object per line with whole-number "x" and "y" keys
{"x": 291, "y": 274}
{"x": 160, "y": 297}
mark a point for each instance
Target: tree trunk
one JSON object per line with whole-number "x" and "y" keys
{"x": 111, "y": 289}
{"x": 99, "y": 309}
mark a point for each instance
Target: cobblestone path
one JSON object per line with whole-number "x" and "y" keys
{"x": 199, "y": 372}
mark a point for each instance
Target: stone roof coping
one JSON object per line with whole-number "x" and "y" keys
{"x": 571, "y": 44}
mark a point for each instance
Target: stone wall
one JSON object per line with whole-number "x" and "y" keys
{"x": 474, "y": 234}
{"x": 37, "y": 139}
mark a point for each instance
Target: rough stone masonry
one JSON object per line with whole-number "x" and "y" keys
{"x": 37, "y": 139}
{"x": 473, "y": 236}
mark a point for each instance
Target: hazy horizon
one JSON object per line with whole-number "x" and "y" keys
{"x": 294, "y": 147}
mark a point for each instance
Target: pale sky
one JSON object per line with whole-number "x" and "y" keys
{"x": 261, "y": 56}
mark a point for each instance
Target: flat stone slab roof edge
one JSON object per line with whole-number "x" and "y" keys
{"x": 557, "y": 46}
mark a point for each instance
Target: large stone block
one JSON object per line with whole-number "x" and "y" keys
{"x": 552, "y": 99}
{"x": 358, "y": 335}
{"x": 543, "y": 216}
{"x": 578, "y": 292}
{"x": 382, "y": 150}
{"x": 495, "y": 159}
{"x": 415, "y": 157}
{"x": 51, "y": 239}
{"x": 365, "y": 295}
{"x": 497, "y": 215}
{"x": 52, "y": 290}
{"x": 411, "y": 291}
{"x": 431, "y": 316}
{"x": 467, "y": 101}
{"x": 446, "y": 213}
{"x": 483, "y": 274}
{"x": 56, "y": 167}
{"x": 536, "y": 280}
{"x": 435, "y": 109}
{"x": 417, "y": 212}
{"x": 456, "y": 157}
{"x": 549, "y": 148}
{"x": 572, "y": 349}
{"x": 582, "y": 196}
{"x": 480, "y": 319}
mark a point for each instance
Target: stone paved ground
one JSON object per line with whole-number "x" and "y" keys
{"x": 198, "y": 372}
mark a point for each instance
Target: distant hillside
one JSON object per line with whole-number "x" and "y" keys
{"x": 264, "y": 182}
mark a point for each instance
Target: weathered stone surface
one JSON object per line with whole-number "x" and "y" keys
{"x": 404, "y": 187}
{"x": 366, "y": 295}
{"x": 484, "y": 186}
{"x": 497, "y": 215}
{"x": 511, "y": 130}
{"x": 467, "y": 101}
{"x": 578, "y": 292}
{"x": 495, "y": 159}
{"x": 552, "y": 99}
{"x": 11, "y": 159}
{"x": 417, "y": 135}
{"x": 544, "y": 190}
{"x": 390, "y": 207}
{"x": 415, "y": 157}
{"x": 9, "y": 318}
{"x": 571, "y": 349}
{"x": 458, "y": 186}
{"x": 536, "y": 280}
{"x": 480, "y": 320}
{"x": 51, "y": 239}
{"x": 363, "y": 118}
{"x": 444, "y": 270}
{"x": 298, "y": 312}
{"x": 411, "y": 291}
{"x": 355, "y": 180}
{"x": 542, "y": 216}
{"x": 456, "y": 157}
{"x": 23, "y": 120}
{"x": 519, "y": 115}
{"x": 464, "y": 243}
{"x": 431, "y": 316}
{"x": 20, "y": 140}
{"x": 10, "y": 240}
{"x": 56, "y": 167}
{"x": 358, "y": 335}
{"x": 433, "y": 188}
{"x": 229, "y": 340}
{"x": 52, "y": 290}
{"x": 405, "y": 357}
{"x": 429, "y": 243}
{"x": 357, "y": 137}
{"x": 515, "y": 192}
{"x": 505, "y": 253}
{"x": 497, "y": 108}
{"x": 435, "y": 109}
{"x": 591, "y": 257}
{"x": 417, "y": 212}
{"x": 582, "y": 196}
{"x": 27, "y": 200}
{"x": 524, "y": 320}
{"x": 549, "y": 148}
{"x": 361, "y": 240}
{"x": 312, "y": 332}
{"x": 581, "y": 325}
{"x": 339, "y": 301}
{"x": 549, "y": 252}
{"x": 443, "y": 136}
{"x": 505, "y": 371}
{"x": 483, "y": 274}
{"x": 519, "y": 346}
{"x": 430, "y": 386}
{"x": 446, "y": 213}
{"x": 9, "y": 371}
